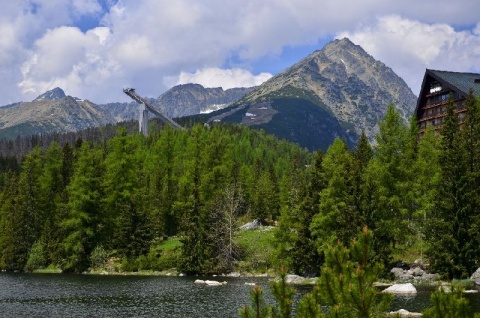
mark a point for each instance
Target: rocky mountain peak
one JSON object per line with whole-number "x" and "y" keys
{"x": 56, "y": 93}
{"x": 190, "y": 99}
{"x": 347, "y": 81}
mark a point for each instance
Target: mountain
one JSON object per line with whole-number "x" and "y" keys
{"x": 49, "y": 113}
{"x": 339, "y": 90}
{"x": 191, "y": 99}
{"x": 56, "y": 93}
{"x": 54, "y": 111}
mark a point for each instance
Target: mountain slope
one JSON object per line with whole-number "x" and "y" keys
{"x": 348, "y": 84}
{"x": 191, "y": 99}
{"x": 52, "y": 111}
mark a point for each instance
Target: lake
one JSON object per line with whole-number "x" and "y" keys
{"x": 55, "y": 295}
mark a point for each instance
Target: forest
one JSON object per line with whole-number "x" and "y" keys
{"x": 76, "y": 202}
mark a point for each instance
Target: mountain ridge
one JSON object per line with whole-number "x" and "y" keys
{"x": 345, "y": 79}
{"x": 338, "y": 91}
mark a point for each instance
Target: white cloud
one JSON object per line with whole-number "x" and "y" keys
{"x": 225, "y": 78}
{"x": 409, "y": 47}
{"x": 84, "y": 7}
{"x": 150, "y": 43}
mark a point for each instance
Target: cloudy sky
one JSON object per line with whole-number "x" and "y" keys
{"x": 94, "y": 48}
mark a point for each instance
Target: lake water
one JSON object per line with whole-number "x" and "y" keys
{"x": 45, "y": 295}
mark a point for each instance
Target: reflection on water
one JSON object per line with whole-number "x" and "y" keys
{"x": 23, "y": 295}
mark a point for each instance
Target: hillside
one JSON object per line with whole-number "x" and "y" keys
{"x": 54, "y": 111}
{"x": 337, "y": 91}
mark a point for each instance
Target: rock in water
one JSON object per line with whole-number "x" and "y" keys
{"x": 401, "y": 289}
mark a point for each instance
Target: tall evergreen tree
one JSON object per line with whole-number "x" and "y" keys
{"x": 386, "y": 183}
{"x": 337, "y": 218}
{"x": 52, "y": 191}
{"x": 30, "y": 215}
{"x": 296, "y": 246}
{"x": 448, "y": 228}
{"x": 85, "y": 223}
{"x": 12, "y": 255}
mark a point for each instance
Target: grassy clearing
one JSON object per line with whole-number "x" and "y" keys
{"x": 258, "y": 252}
{"x": 169, "y": 244}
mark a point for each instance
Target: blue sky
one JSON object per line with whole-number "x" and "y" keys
{"x": 94, "y": 48}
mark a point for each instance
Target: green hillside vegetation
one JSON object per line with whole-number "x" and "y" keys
{"x": 176, "y": 199}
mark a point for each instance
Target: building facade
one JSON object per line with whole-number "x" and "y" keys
{"x": 435, "y": 91}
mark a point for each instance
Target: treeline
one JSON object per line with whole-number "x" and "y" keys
{"x": 12, "y": 151}
{"x": 406, "y": 189}
{"x": 69, "y": 203}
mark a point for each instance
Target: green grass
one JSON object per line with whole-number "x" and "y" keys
{"x": 411, "y": 252}
{"x": 258, "y": 252}
{"x": 169, "y": 244}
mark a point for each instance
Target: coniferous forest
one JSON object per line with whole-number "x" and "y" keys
{"x": 72, "y": 204}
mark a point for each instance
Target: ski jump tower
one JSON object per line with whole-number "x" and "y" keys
{"x": 144, "y": 108}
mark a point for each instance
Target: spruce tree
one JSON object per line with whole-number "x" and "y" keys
{"x": 337, "y": 218}
{"x": 84, "y": 224}
{"x": 296, "y": 246}
{"x": 447, "y": 230}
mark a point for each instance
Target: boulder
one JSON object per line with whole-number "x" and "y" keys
{"x": 407, "y": 288}
{"x": 294, "y": 279}
{"x": 214, "y": 283}
{"x": 255, "y": 224}
{"x": 476, "y": 275}
{"x": 397, "y": 271}
{"x": 406, "y": 277}
{"x": 199, "y": 281}
{"x": 234, "y": 274}
{"x": 404, "y": 313}
{"x": 426, "y": 277}
{"x": 417, "y": 271}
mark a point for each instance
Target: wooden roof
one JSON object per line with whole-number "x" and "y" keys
{"x": 456, "y": 81}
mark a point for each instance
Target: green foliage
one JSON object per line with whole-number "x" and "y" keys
{"x": 337, "y": 218}
{"x": 452, "y": 231}
{"x": 258, "y": 308}
{"x": 449, "y": 304}
{"x": 346, "y": 283}
{"x": 98, "y": 258}
{"x": 283, "y": 295}
{"x": 36, "y": 257}
{"x": 84, "y": 223}
{"x": 257, "y": 250}
{"x": 345, "y": 287}
{"x": 294, "y": 242}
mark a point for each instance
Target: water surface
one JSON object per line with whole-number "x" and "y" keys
{"x": 54, "y": 295}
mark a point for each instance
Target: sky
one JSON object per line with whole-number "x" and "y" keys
{"x": 93, "y": 49}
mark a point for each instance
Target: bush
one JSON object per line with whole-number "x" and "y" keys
{"x": 98, "y": 257}
{"x": 36, "y": 257}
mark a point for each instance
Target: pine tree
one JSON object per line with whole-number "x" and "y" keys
{"x": 29, "y": 214}
{"x": 346, "y": 283}
{"x": 387, "y": 184}
{"x": 448, "y": 228}
{"x": 85, "y": 222}
{"x": 296, "y": 246}
{"x": 51, "y": 200}
{"x": 11, "y": 226}
{"x": 337, "y": 218}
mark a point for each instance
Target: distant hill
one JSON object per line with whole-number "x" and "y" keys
{"x": 54, "y": 111}
{"x": 337, "y": 91}
{"x": 50, "y": 112}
